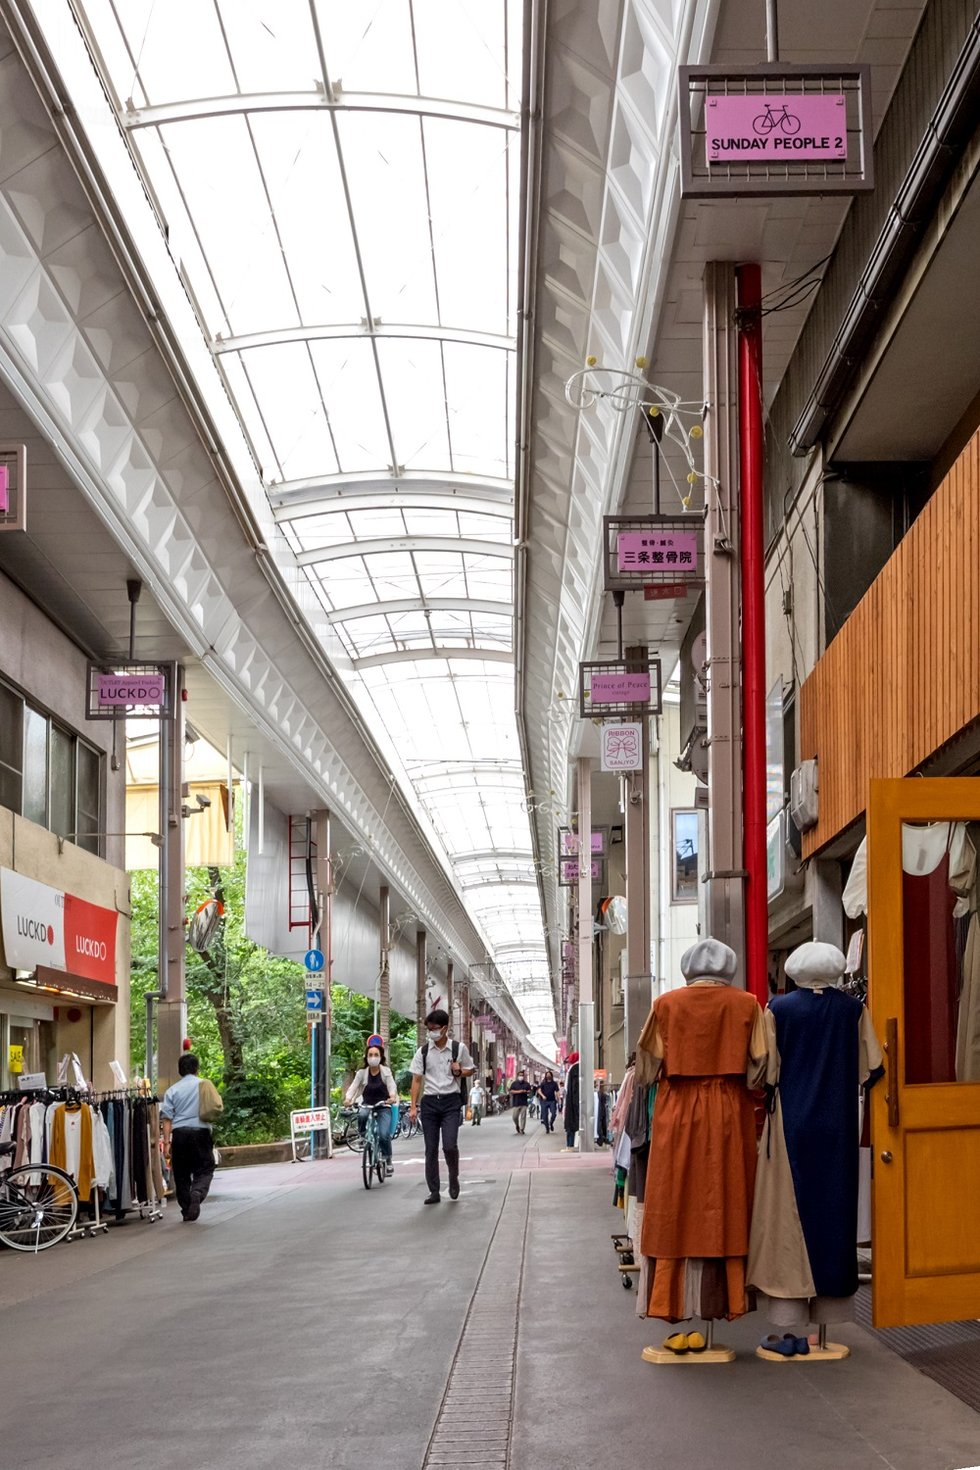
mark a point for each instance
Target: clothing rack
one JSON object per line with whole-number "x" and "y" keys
{"x": 72, "y": 1095}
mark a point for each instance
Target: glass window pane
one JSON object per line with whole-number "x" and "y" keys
{"x": 62, "y": 813}
{"x": 370, "y": 49}
{"x": 35, "y": 766}
{"x": 11, "y": 747}
{"x": 88, "y": 815}
{"x": 170, "y": 69}
{"x": 467, "y": 175}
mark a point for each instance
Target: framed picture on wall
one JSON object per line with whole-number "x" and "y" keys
{"x": 684, "y": 828}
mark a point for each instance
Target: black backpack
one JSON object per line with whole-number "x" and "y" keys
{"x": 463, "y": 1085}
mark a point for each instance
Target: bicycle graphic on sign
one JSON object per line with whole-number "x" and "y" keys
{"x": 767, "y": 122}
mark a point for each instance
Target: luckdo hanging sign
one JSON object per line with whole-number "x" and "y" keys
{"x": 58, "y": 934}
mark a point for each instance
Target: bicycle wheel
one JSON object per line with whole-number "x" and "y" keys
{"x": 790, "y": 123}
{"x": 367, "y": 1162}
{"x": 38, "y": 1207}
{"x": 379, "y": 1167}
{"x": 352, "y": 1137}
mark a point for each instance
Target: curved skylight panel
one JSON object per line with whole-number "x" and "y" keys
{"x": 348, "y": 384}
{"x": 233, "y": 222}
{"x": 301, "y": 170}
{"x": 370, "y": 46}
{"x": 476, "y": 407}
{"x": 465, "y": 42}
{"x": 272, "y": 44}
{"x": 412, "y": 377}
{"x": 466, "y": 174}
{"x": 291, "y": 403}
{"x": 385, "y": 164}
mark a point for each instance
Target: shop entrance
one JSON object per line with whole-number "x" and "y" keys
{"x": 924, "y": 993}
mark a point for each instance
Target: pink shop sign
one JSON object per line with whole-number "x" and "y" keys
{"x": 4, "y": 489}
{"x": 570, "y": 870}
{"x": 657, "y": 551}
{"x": 569, "y": 840}
{"x": 125, "y": 689}
{"x": 776, "y": 129}
{"x": 620, "y": 688}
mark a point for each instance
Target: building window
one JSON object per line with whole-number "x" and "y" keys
{"x": 48, "y": 773}
{"x": 684, "y": 826}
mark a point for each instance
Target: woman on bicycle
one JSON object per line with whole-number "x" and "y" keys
{"x": 373, "y": 1083}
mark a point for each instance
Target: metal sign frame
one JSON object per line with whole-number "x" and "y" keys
{"x": 13, "y": 458}
{"x": 653, "y": 574}
{"x": 572, "y": 863}
{"x": 124, "y": 668}
{"x": 590, "y": 709}
{"x": 764, "y": 177}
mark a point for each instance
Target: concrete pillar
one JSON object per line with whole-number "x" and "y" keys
{"x": 420, "y": 1006}
{"x": 172, "y": 1005}
{"x": 586, "y": 1003}
{"x": 724, "y": 874}
{"x": 384, "y": 965}
{"x": 323, "y": 1142}
{"x": 638, "y": 987}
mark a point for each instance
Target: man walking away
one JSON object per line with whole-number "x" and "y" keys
{"x": 520, "y": 1092}
{"x": 187, "y": 1142}
{"x": 438, "y": 1069}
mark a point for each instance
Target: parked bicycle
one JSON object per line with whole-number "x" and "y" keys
{"x": 38, "y": 1205}
{"x": 372, "y": 1160}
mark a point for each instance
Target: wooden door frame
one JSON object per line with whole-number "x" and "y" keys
{"x": 898, "y": 1299}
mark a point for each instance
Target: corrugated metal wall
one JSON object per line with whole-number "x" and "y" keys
{"x": 903, "y": 675}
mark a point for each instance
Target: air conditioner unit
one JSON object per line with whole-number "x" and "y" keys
{"x": 804, "y": 802}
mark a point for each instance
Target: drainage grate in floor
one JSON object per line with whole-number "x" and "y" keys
{"x": 946, "y": 1352}
{"x": 473, "y": 1426}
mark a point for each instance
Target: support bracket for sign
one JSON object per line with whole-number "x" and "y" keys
{"x": 775, "y": 129}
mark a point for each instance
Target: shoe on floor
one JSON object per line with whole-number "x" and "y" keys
{"x": 696, "y": 1342}
{"x": 676, "y": 1343}
{"x": 454, "y": 1189}
{"x": 432, "y": 1199}
{"x": 785, "y": 1346}
{"x": 194, "y": 1208}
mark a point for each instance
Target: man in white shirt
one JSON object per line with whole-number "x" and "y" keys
{"x": 187, "y": 1141}
{"x": 437, "y": 1071}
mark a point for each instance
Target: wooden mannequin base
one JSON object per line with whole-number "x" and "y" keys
{"x": 832, "y": 1352}
{"x": 716, "y": 1354}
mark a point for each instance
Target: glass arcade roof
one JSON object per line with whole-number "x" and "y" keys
{"x": 339, "y": 185}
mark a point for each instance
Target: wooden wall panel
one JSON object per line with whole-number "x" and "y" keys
{"x": 902, "y": 677}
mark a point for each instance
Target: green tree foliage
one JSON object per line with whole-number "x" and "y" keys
{"x": 246, "y": 1011}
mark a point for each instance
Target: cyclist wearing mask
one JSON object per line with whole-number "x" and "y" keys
{"x": 438, "y": 1068}
{"x": 374, "y": 1083}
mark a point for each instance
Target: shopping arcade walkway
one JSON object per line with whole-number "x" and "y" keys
{"x": 234, "y": 1343}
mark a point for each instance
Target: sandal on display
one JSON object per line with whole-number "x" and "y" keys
{"x": 786, "y": 1346}
{"x": 696, "y": 1342}
{"x": 678, "y": 1343}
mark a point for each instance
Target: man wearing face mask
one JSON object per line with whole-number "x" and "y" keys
{"x": 438, "y": 1068}
{"x": 374, "y": 1083}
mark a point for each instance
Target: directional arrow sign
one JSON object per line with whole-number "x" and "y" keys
{"x": 314, "y": 1000}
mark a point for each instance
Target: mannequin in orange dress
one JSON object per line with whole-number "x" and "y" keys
{"x": 705, "y": 1046}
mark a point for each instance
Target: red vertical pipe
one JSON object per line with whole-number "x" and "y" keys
{"x": 750, "y": 445}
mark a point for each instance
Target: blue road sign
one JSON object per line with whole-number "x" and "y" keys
{"x": 314, "y": 1001}
{"x": 314, "y": 960}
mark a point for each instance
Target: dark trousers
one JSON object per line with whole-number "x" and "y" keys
{"x": 441, "y": 1114}
{"x": 548, "y": 1110}
{"x": 192, "y": 1158}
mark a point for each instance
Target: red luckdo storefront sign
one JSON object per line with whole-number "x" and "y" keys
{"x": 90, "y": 940}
